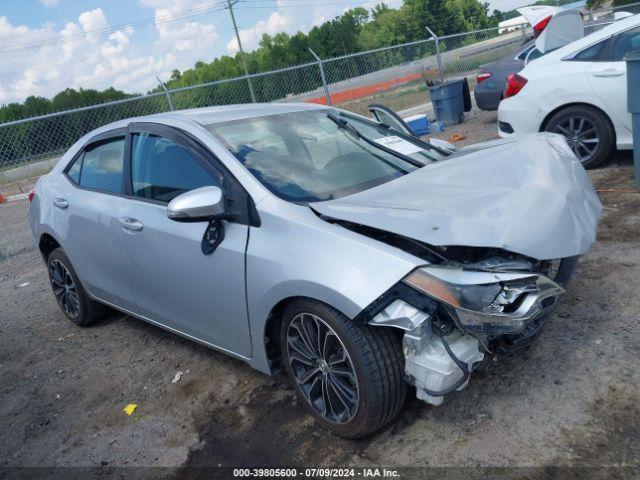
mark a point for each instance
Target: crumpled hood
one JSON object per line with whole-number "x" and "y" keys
{"x": 531, "y": 197}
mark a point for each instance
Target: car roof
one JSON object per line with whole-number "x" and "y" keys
{"x": 209, "y": 115}
{"x": 227, "y": 113}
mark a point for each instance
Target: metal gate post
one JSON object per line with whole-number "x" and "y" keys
{"x": 327, "y": 95}
{"x": 438, "y": 56}
{"x": 633, "y": 105}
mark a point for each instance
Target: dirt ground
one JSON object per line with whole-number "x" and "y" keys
{"x": 573, "y": 399}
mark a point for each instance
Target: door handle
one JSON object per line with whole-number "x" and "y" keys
{"x": 61, "y": 203}
{"x": 131, "y": 224}
{"x": 611, "y": 72}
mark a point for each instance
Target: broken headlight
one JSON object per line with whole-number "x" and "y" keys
{"x": 487, "y": 302}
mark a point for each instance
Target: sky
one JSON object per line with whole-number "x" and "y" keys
{"x": 49, "y": 45}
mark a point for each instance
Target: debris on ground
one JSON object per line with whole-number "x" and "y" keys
{"x": 177, "y": 376}
{"x": 456, "y": 137}
{"x": 130, "y": 408}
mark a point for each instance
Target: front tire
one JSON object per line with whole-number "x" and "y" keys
{"x": 69, "y": 292}
{"x": 588, "y": 133}
{"x": 348, "y": 375}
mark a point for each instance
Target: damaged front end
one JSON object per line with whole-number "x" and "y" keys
{"x": 455, "y": 314}
{"x": 499, "y": 228}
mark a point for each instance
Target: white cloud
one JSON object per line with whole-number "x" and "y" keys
{"x": 250, "y": 37}
{"x": 92, "y": 61}
{"x": 49, "y": 3}
{"x": 93, "y": 20}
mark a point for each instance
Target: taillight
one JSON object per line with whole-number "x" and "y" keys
{"x": 482, "y": 77}
{"x": 539, "y": 27}
{"x": 515, "y": 83}
{"x": 32, "y": 194}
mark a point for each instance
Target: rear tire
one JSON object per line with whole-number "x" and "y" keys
{"x": 588, "y": 133}
{"x": 69, "y": 292}
{"x": 352, "y": 404}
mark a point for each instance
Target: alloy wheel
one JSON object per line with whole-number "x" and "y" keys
{"x": 581, "y": 134}
{"x": 64, "y": 288}
{"x": 322, "y": 368}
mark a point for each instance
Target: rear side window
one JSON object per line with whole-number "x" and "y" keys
{"x": 100, "y": 167}
{"x": 162, "y": 170}
{"x": 525, "y": 52}
{"x": 532, "y": 53}
{"x": 74, "y": 171}
{"x": 626, "y": 42}
{"x": 592, "y": 53}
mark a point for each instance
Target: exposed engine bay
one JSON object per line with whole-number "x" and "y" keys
{"x": 463, "y": 306}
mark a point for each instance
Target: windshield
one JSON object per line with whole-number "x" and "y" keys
{"x": 305, "y": 157}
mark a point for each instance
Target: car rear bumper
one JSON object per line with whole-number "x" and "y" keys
{"x": 488, "y": 100}
{"x": 517, "y": 117}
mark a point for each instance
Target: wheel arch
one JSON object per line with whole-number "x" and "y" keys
{"x": 47, "y": 243}
{"x": 549, "y": 115}
{"x": 273, "y": 328}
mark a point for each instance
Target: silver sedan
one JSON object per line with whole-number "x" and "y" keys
{"x": 300, "y": 237}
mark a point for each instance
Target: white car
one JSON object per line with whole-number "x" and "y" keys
{"x": 578, "y": 90}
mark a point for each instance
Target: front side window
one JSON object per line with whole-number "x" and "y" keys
{"x": 625, "y": 43}
{"x": 100, "y": 167}
{"x": 304, "y": 156}
{"x": 162, "y": 170}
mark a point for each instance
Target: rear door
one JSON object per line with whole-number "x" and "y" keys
{"x": 608, "y": 78}
{"x": 175, "y": 284}
{"x": 88, "y": 217}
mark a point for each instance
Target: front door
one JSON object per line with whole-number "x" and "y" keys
{"x": 174, "y": 283}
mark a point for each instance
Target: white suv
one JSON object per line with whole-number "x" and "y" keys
{"x": 579, "y": 91}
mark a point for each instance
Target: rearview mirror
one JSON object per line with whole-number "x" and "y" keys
{"x": 201, "y": 204}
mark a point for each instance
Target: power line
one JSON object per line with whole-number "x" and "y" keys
{"x": 143, "y": 23}
{"x": 164, "y": 19}
{"x": 180, "y": 15}
{"x": 124, "y": 50}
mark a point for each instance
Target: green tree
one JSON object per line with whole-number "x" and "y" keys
{"x": 379, "y": 9}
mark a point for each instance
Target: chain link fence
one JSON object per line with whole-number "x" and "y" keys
{"x": 396, "y": 76}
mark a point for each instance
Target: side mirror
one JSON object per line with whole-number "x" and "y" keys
{"x": 201, "y": 204}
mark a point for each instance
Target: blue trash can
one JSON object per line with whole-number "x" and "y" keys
{"x": 448, "y": 101}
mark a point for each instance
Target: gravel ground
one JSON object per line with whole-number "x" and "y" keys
{"x": 573, "y": 399}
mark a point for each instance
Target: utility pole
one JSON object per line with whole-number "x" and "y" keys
{"x": 230, "y": 4}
